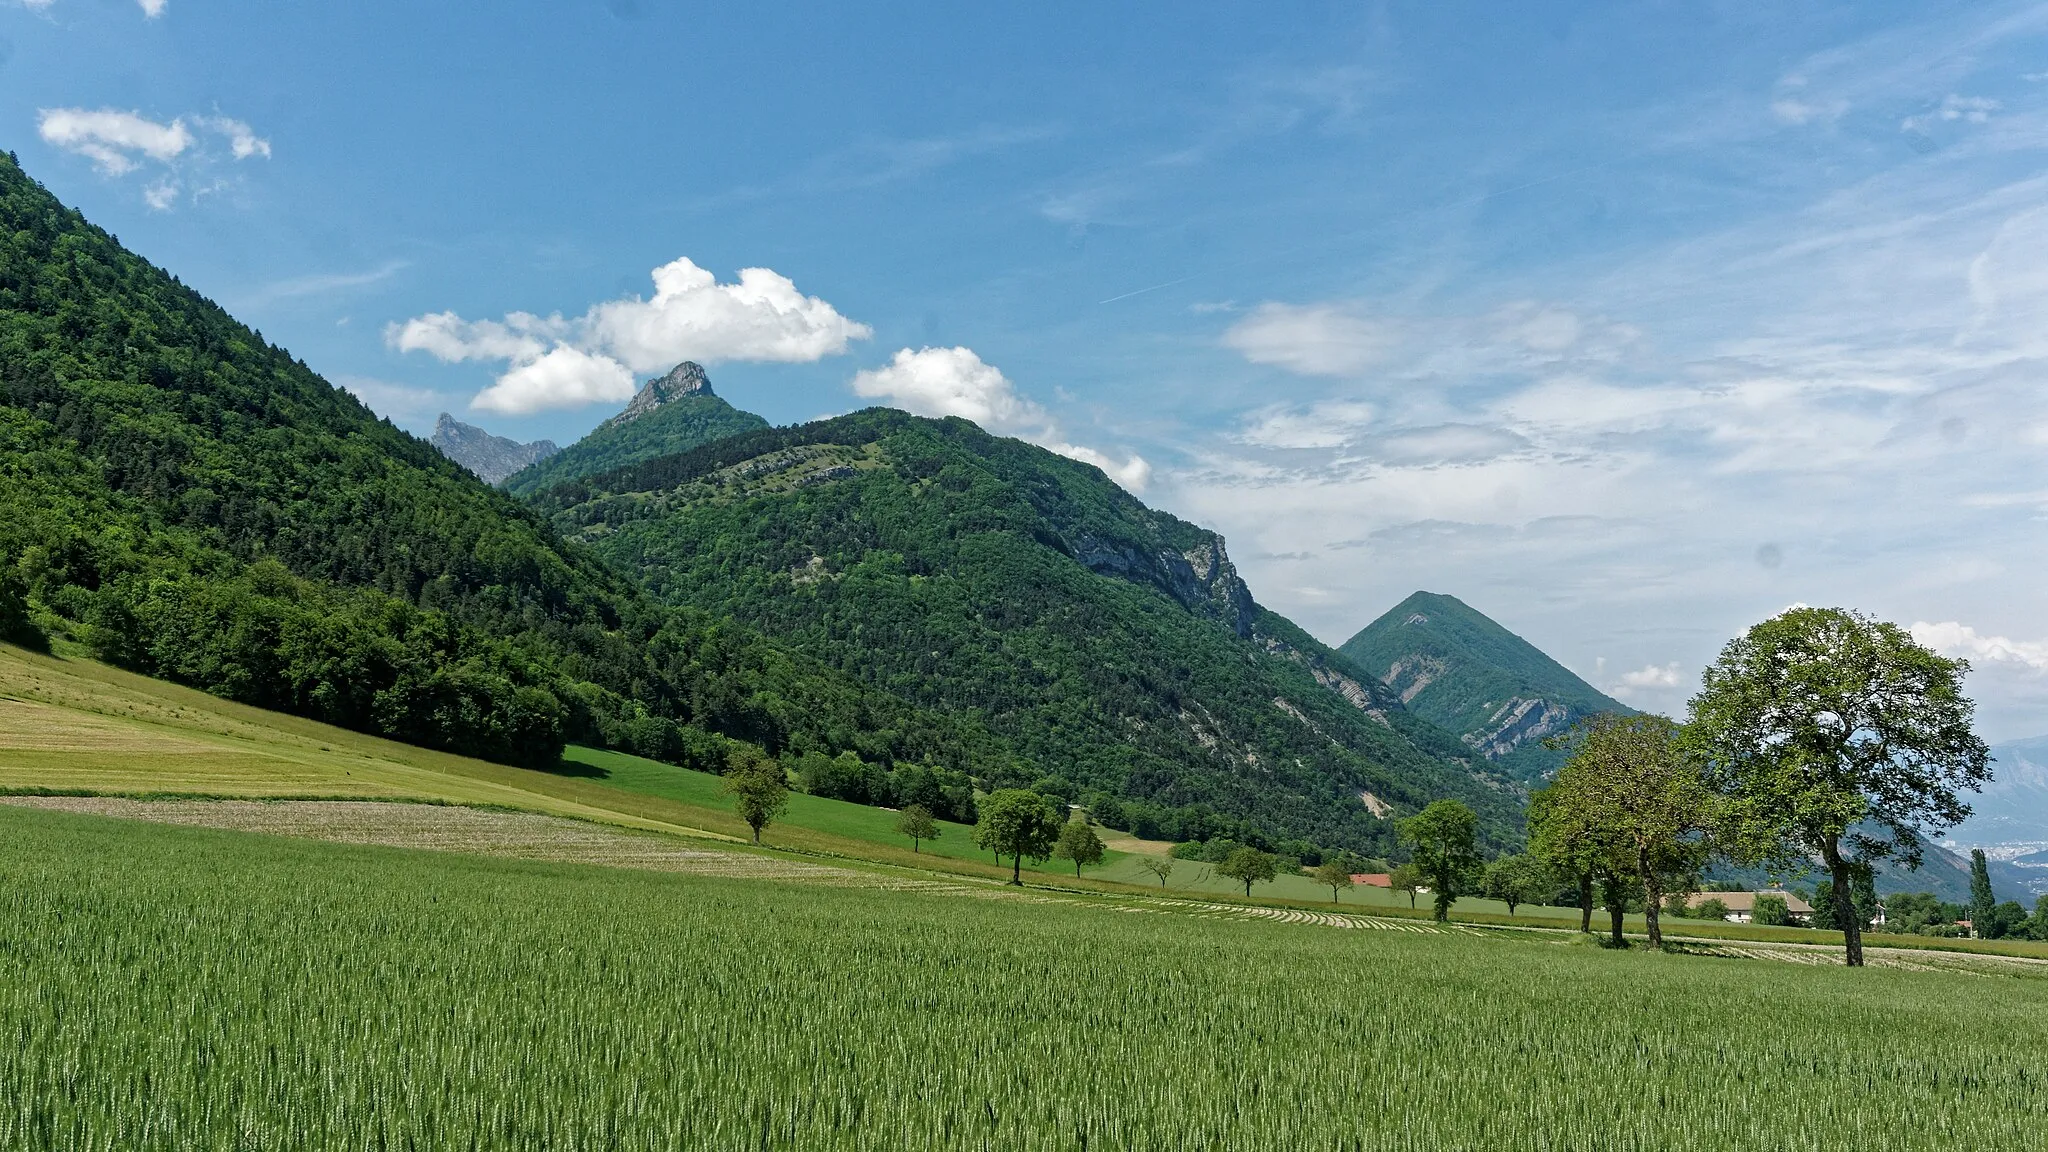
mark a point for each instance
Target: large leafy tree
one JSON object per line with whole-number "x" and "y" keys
{"x": 1247, "y": 865}
{"x": 1017, "y": 822}
{"x": 1441, "y": 845}
{"x": 1834, "y": 735}
{"x": 1640, "y": 803}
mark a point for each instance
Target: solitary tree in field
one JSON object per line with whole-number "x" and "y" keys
{"x": 1407, "y": 878}
{"x": 1440, "y": 841}
{"x": 1160, "y": 866}
{"x": 1641, "y": 802}
{"x": 1515, "y": 880}
{"x": 1017, "y": 822}
{"x": 916, "y": 822}
{"x": 1834, "y": 735}
{"x": 1079, "y": 843}
{"x": 1334, "y": 871}
{"x": 758, "y": 787}
{"x": 1246, "y": 865}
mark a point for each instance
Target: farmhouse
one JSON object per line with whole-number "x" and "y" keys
{"x": 1742, "y": 905}
{"x": 1373, "y": 879}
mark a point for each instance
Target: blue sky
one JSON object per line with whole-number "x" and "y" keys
{"x": 1630, "y": 324}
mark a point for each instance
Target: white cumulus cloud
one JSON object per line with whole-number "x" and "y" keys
{"x": 520, "y": 337}
{"x": 694, "y": 317}
{"x": 1311, "y": 339}
{"x": 565, "y": 363}
{"x": 111, "y": 139}
{"x": 957, "y": 382}
{"x": 1652, "y": 676}
{"x": 950, "y": 382}
{"x": 562, "y": 377}
{"x": 1951, "y": 638}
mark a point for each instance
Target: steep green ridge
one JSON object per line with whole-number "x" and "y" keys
{"x": 1113, "y": 647}
{"x": 656, "y": 424}
{"x": 1452, "y": 665}
{"x": 186, "y": 500}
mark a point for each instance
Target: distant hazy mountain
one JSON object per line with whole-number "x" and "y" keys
{"x": 2013, "y": 808}
{"x": 1453, "y": 666}
{"x": 491, "y": 458}
{"x": 674, "y": 413}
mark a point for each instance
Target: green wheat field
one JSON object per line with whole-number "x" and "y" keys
{"x": 171, "y": 988}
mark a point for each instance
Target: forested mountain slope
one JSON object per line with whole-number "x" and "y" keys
{"x": 1112, "y": 646}
{"x": 184, "y": 499}
{"x": 1454, "y": 666}
{"x": 672, "y": 414}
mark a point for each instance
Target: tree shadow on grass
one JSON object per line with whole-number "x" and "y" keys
{"x": 574, "y": 768}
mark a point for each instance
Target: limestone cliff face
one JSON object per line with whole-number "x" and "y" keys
{"x": 1201, "y": 577}
{"x": 1517, "y": 721}
{"x": 492, "y": 458}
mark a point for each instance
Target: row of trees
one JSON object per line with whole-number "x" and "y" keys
{"x": 1821, "y": 735}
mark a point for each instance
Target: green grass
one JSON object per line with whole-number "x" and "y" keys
{"x": 172, "y": 988}
{"x": 856, "y": 822}
{"x": 72, "y": 725}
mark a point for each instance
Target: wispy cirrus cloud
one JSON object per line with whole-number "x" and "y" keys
{"x": 120, "y": 142}
{"x": 321, "y": 283}
{"x": 1835, "y": 401}
{"x": 151, "y": 9}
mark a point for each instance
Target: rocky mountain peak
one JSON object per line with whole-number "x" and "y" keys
{"x": 492, "y": 458}
{"x": 685, "y": 379}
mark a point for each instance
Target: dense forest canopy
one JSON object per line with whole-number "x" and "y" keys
{"x": 180, "y": 497}
{"x": 675, "y": 425}
{"x": 1111, "y": 645}
{"x": 185, "y": 499}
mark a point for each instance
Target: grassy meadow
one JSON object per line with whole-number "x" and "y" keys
{"x": 171, "y": 988}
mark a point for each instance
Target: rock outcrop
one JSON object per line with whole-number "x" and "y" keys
{"x": 685, "y": 379}
{"x": 492, "y": 458}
